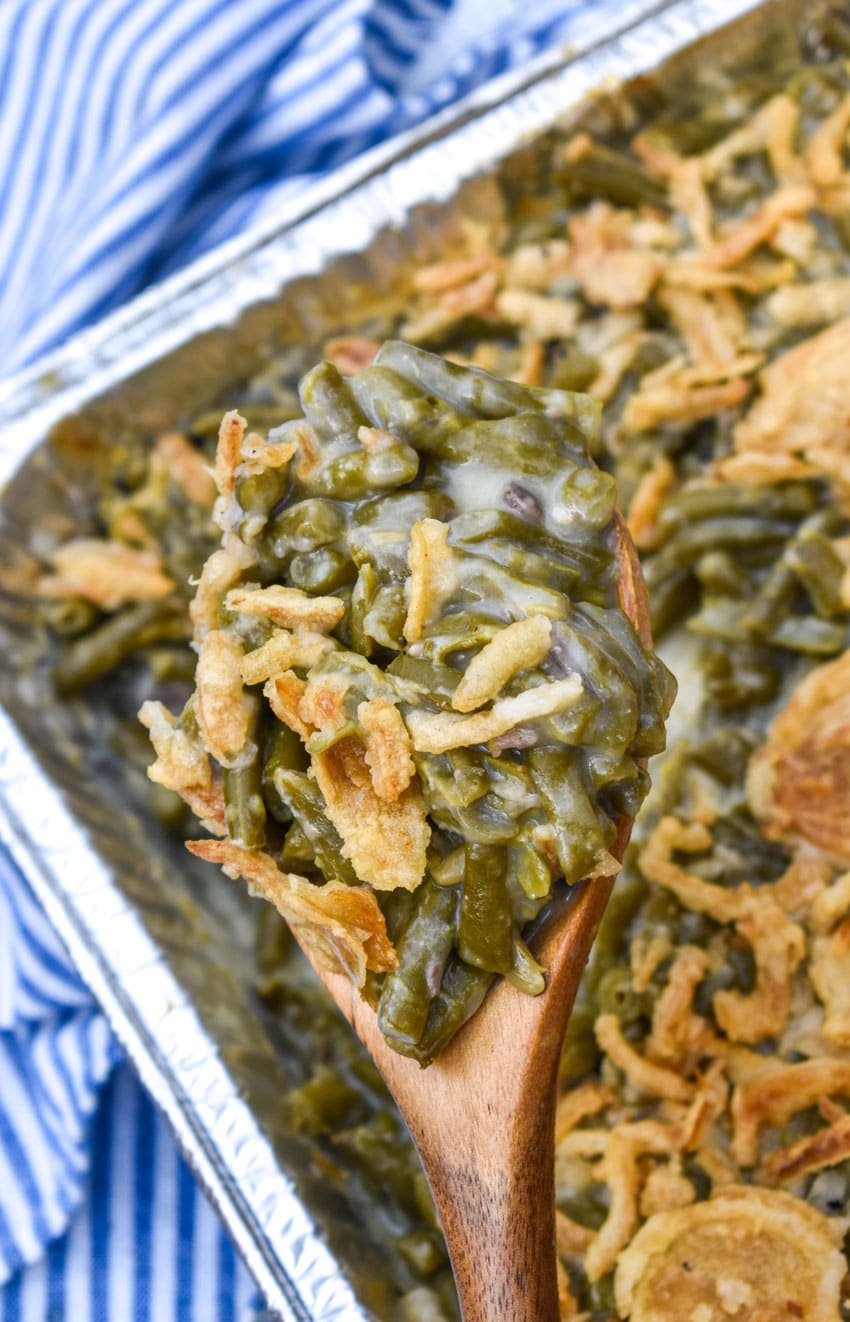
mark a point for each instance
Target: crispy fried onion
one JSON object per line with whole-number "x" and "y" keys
{"x": 183, "y": 765}
{"x": 776, "y": 1093}
{"x": 746, "y": 1253}
{"x": 826, "y": 1147}
{"x": 223, "y": 708}
{"x": 813, "y": 304}
{"x": 433, "y": 576}
{"x": 223, "y": 568}
{"x": 603, "y": 261}
{"x": 798, "y": 782}
{"x": 259, "y": 454}
{"x": 645, "y": 506}
{"x": 647, "y": 1078}
{"x": 578, "y": 1103}
{"x": 228, "y": 455}
{"x": 388, "y": 749}
{"x": 803, "y": 403}
{"x": 282, "y": 651}
{"x": 621, "y": 1150}
{"x": 438, "y": 732}
{"x": 743, "y": 236}
{"x": 537, "y": 265}
{"x": 385, "y": 840}
{"x": 666, "y": 1187}
{"x": 109, "y": 574}
{"x": 174, "y": 456}
{"x": 680, "y": 395}
{"x": 519, "y": 646}
{"x": 350, "y": 353}
{"x": 829, "y": 971}
{"x": 679, "y": 1036}
{"x": 831, "y": 904}
{"x": 288, "y": 607}
{"x": 340, "y": 927}
{"x": 284, "y": 694}
{"x": 778, "y": 944}
{"x": 543, "y": 316}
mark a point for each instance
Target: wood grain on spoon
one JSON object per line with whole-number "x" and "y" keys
{"x": 483, "y": 1115}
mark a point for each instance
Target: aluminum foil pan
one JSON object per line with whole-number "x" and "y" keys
{"x": 169, "y": 956}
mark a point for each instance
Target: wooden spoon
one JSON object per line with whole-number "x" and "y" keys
{"x": 483, "y": 1115}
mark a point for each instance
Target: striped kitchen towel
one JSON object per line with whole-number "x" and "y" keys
{"x": 135, "y": 135}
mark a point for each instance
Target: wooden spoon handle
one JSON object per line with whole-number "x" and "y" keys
{"x": 501, "y": 1231}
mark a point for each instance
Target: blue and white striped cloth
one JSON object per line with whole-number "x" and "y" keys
{"x": 135, "y": 135}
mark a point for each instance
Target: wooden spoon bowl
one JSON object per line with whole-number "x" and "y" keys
{"x": 483, "y": 1115}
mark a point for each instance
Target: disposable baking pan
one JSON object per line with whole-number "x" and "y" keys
{"x": 168, "y": 954}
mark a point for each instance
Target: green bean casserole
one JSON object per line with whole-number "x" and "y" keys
{"x": 689, "y": 267}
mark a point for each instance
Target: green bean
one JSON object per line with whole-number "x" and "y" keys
{"x": 616, "y": 995}
{"x": 809, "y": 635}
{"x": 321, "y": 571}
{"x": 477, "y": 392}
{"x": 485, "y": 925}
{"x": 649, "y": 678}
{"x": 774, "y": 596}
{"x": 528, "y": 443}
{"x": 740, "y": 533}
{"x": 423, "y": 1250}
{"x": 323, "y": 1105}
{"x": 383, "y": 619}
{"x": 738, "y": 675}
{"x": 448, "y": 871}
{"x": 460, "y": 632}
{"x": 574, "y": 370}
{"x": 422, "y": 950}
{"x": 529, "y": 565}
{"x": 797, "y": 633}
{"x": 304, "y": 526}
{"x": 119, "y": 637}
{"x": 699, "y": 501}
{"x": 257, "y": 494}
{"x": 304, "y": 800}
{"x": 500, "y": 528}
{"x": 281, "y": 748}
{"x": 613, "y": 701}
{"x": 175, "y": 664}
{"x": 603, "y": 172}
{"x": 818, "y": 567}
{"x": 380, "y": 531}
{"x": 394, "y": 404}
{"x": 436, "y": 680}
{"x": 488, "y": 586}
{"x": 671, "y": 594}
{"x": 297, "y": 853}
{"x": 724, "y": 753}
{"x": 528, "y": 868}
{"x": 721, "y": 576}
{"x": 330, "y": 408}
{"x": 69, "y": 616}
{"x": 581, "y": 832}
{"x": 525, "y": 973}
{"x": 456, "y": 778}
{"x": 245, "y": 810}
{"x": 461, "y": 993}
{"x": 362, "y": 472}
{"x": 586, "y": 496}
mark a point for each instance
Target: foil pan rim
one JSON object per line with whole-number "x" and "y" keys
{"x": 141, "y": 998}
